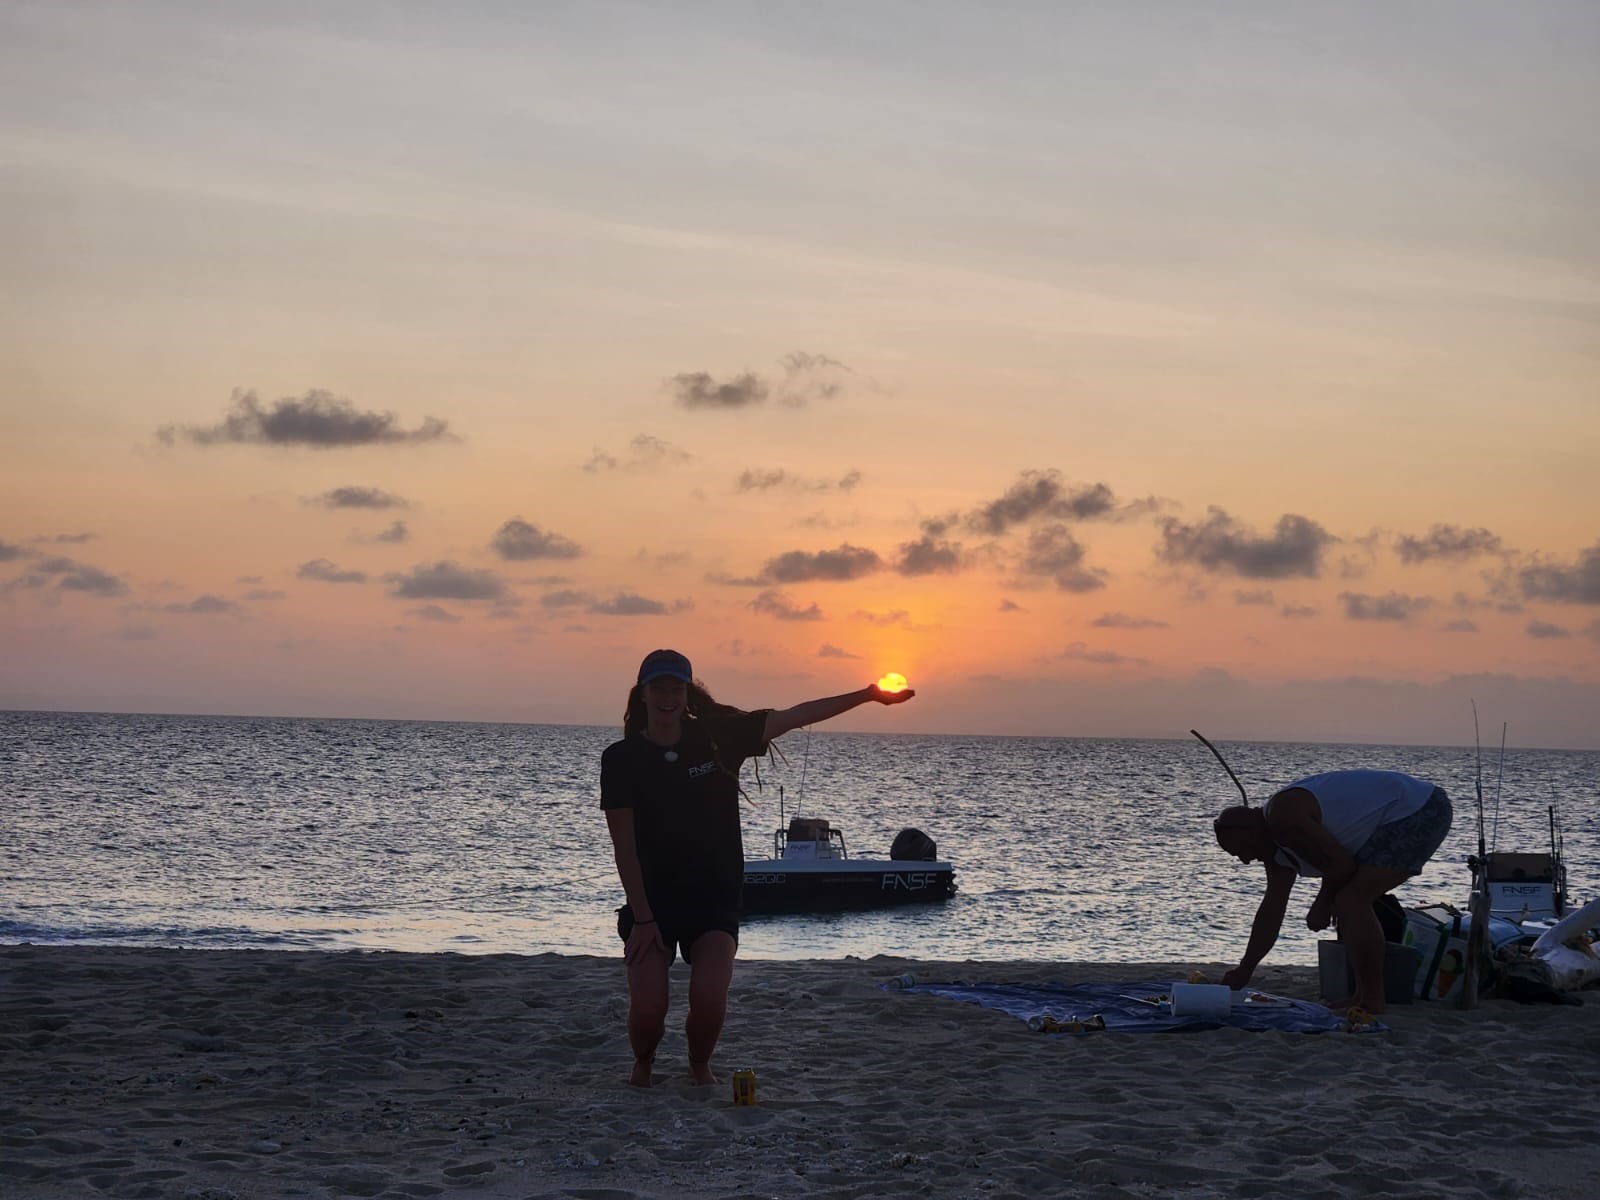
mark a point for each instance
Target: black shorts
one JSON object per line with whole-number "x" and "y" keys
{"x": 680, "y": 930}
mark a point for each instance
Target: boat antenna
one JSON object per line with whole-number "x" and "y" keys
{"x": 804, "y": 763}
{"x": 1500, "y": 778}
{"x": 1478, "y": 906}
{"x": 1225, "y": 765}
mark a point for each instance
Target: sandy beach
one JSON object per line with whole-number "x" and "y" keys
{"x": 204, "y": 1075}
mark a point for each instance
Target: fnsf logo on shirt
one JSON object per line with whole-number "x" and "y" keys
{"x": 703, "y": 769}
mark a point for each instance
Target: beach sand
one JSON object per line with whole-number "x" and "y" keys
{"x": 205, "y": 1075}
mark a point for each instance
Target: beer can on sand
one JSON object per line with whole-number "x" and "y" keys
{"x": 744, "y": 1087}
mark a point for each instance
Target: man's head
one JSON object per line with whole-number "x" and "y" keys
{"x": 1242, "y": 832}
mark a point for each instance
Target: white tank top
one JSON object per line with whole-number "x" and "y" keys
{"x": 1354, "y": 804}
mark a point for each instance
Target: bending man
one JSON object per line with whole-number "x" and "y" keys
{"x": 1362, "y": 833}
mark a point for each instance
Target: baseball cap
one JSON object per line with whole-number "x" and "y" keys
{"x": 665, "y": 662}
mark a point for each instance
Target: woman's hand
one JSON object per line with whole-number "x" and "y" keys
{"x": 883, "y": 697}
{"x": 641, "y": 938}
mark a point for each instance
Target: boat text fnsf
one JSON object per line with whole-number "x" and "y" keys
{"x": 811, "y": 871}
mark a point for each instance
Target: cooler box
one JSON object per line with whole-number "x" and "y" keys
{"x": 1336, "y": 981}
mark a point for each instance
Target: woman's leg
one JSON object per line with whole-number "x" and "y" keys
{"x": 647, "y": 1010}
{"x": 710, "y": 973}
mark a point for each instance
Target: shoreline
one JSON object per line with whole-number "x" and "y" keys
{"x": 248, "y": 1073}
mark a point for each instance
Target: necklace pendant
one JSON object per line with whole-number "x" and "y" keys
{"x": 671, "y": 756}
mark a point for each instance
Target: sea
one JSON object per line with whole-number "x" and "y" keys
{"x": 214, "y": 832}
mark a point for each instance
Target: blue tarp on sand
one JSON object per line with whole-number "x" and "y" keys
{"x": 1126, "y": 1009}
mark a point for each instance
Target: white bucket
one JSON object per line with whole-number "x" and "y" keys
{"x": 1201, "y": 1000}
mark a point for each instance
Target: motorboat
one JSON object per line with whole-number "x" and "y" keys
{"x": 811, "y": 871}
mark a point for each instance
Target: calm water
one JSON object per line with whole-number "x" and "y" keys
{"x": 232, "y": 832}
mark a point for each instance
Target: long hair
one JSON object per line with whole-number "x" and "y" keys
{"x": 702, "y": 713}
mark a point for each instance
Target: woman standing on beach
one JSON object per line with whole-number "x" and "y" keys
{"x": 670, "y": 791}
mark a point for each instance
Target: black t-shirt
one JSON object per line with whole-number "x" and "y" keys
{"x": 686, "y": 812}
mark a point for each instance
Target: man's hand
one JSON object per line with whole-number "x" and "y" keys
{"x": 1238, "y": 977}
{"x": 1320, "y": 914}
{"x": 900, "y": 697}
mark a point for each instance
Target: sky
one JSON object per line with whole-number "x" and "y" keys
{"x": 1109, "y": 370}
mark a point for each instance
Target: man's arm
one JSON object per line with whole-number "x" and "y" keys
{"x": 1268, "y": 922}
{"x": 781, "y": 721}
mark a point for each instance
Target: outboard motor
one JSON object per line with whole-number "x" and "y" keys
{"x": 914, "y": 845}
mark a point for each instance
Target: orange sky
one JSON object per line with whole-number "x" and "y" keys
{"x": 1106, "y": 373}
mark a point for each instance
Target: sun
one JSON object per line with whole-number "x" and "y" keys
{"x": 893, "y": 682}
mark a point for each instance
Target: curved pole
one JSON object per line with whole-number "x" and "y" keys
{"x": 1225, "y": 765}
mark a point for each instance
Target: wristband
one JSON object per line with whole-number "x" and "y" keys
{"x": 649, "y": 922}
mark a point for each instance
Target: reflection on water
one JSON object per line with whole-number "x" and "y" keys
{"x": 203, "y": 831}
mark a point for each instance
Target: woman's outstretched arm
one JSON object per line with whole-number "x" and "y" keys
{"x": 781, "y": 721}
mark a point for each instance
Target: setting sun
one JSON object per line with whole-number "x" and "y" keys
{"x": 893, "y": 682}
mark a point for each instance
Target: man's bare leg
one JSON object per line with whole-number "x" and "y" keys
{"x": 1363, "y": 935}
{"x": 648, "y": 997}
{"x": 710, "y": 973}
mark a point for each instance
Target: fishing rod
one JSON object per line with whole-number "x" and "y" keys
{"x": 1494, "y": 840}
{"x": 1478, "y": 905}
{"x": 1225, "y": 765}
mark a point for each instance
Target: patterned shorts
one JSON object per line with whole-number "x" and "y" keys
{"x": 1406, "y": 844}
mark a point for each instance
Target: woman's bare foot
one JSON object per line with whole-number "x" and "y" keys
{"x": 700, "y": 1072}
{"x": 640, "y": 1075}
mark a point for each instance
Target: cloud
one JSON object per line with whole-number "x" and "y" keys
{"x": 139, "y": 633}
{"x": 929, "y": 555}
{"x": 358, "y": 497}
{"x": 1592, "y": 630}
{"x": 644, "y": 451}
{"x": 204, "y": 606}
{"x": 1253, "y": 596}
{"x": 1460, "y": 625}
{"x": 1220, "y": 543}
{"x": 519, "y": 541}
{"x": 808, "y": 377}
{"x": 1116, "y": 620}
{"x": 1041, "y": 494}
{"x": 1392, "y": 606}
{"x": 10, "y": 551}
{"x": 697, "y": 389}
{"x": 395, "y": 534}
{"x": 1053, "y": 551}
{"x": 1298, "y": 611}
{"x": 447, "y": 581}
{"x": 1545, "y": 630}
{"x": 829, "y": 650}
{"x": 627, "y": 604}
{"x": 70, "y": 575}
{"x": 1451, "y": 543}
{"x": 1010, "y": 606}
{"x": 805, "y": 377}
{"x": 432, "y": 612}
{"x": 318, "y": 419}
{"x": 894, "y": 617}
{"x": 65, "y": 539}
{"x": 845, "y": 562}
{"x": 565, "y": 599}
{"x": 323, "y": 571}
{"x": 774, "y": 603}
{"x": 765, "y": 479}
{"x": 1575, "y": 584}
{"x": 1078, "y": 652}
